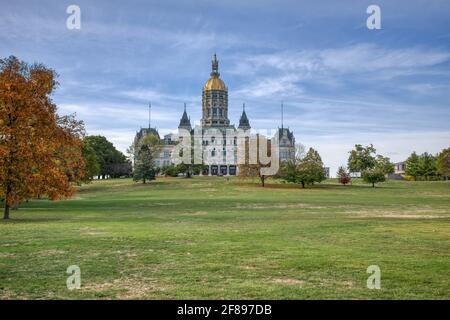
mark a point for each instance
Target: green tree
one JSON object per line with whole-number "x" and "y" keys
{"x": 145, "y": 152}
{"x": 412, "y": 166}
{"x": 384, "y": 164}
{"x": 91, "y": 160}
{"x": 443, "y": 163}
{"x": 373, "y": 176}
{"x": 113, "y": 163}
{"x": 198, "y": 168}
{"x": 305, "y": 171}
{"x": 361, "y": 158}
{"x": 427, "y": 165}
{"x": 343, "y": 176}
{"x": 171, "y": 171}
{"x": 289, "y": 172}
{"x": 311, "y": 168}
{"x": 186, "y": 169}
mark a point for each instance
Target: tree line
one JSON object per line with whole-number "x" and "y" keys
{"x": 104, "y": 160}
{"x": 307, "y": 167}
{"x": 427, "y": 166}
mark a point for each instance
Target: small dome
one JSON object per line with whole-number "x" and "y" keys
{"x": 215, "y": 83}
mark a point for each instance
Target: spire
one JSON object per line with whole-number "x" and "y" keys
{"x": 185, "y": 121}
{"x": 243, "y": 122}
{"x": 282, "y": 106}
{"x": 215, "y": 66}
{"x": 149, "y": 114}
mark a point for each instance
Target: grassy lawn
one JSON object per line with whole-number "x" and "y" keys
{"x": 217, "y": 238}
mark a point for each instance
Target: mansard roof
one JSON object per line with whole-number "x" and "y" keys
{"x": 147, "y": 131}
{"x": 286, "y": 132}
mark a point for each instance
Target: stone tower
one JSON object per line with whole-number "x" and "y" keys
{"x": 243, "y": 121}
{"x": 215, "y": 99}
{"x": 185, "y": 121}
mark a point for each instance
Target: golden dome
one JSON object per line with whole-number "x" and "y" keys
{"x": 215, "y": 83}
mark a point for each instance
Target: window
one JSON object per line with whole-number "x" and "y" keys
{"x": 220, "y": 112}
{"x": 214, "y": 112}
{"x": 213, "y": 153}
{"x": 213, "y": 139}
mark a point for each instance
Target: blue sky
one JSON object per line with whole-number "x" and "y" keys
{"x": 341, "y": 83}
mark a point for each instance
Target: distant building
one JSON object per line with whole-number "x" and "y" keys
{"x": 399, "y": 171}
{"x": 355, "y": 174}
{"x": 164, "y": 158}
{"x": 326, "y": 171}
{"x": 400, "y": 168}
{"x": 286, "y": 144}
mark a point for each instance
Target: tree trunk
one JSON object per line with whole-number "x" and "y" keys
{"x": 6, "y": 214}
{"x": 262, "y": 181}
{"x": 303, "y": 185}
{"x": 7, "y": 194}
{"x": 373, "y": 185}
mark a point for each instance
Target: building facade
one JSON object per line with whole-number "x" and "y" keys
{"x": 218, "y": 138}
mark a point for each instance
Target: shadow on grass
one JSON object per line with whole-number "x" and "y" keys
{"x": 33, "y": 220}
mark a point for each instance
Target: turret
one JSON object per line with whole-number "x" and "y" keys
{"x": 243, "y": 121}
{"x": 185, "y": 121}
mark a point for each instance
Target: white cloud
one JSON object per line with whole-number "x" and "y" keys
{"x": 358, "y": 58}
{"x": 116, "y": 115}
{"x": 271, "y": 87}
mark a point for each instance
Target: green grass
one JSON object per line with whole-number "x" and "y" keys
{"x": 218, "y": 238}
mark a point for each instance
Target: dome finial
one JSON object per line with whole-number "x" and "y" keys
{"x": 215, "y": 66}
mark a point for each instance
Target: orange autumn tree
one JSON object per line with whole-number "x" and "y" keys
{"x": 40, "y": 152}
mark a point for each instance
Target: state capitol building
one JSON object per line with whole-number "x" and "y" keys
{"x": 219, "y": 146}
